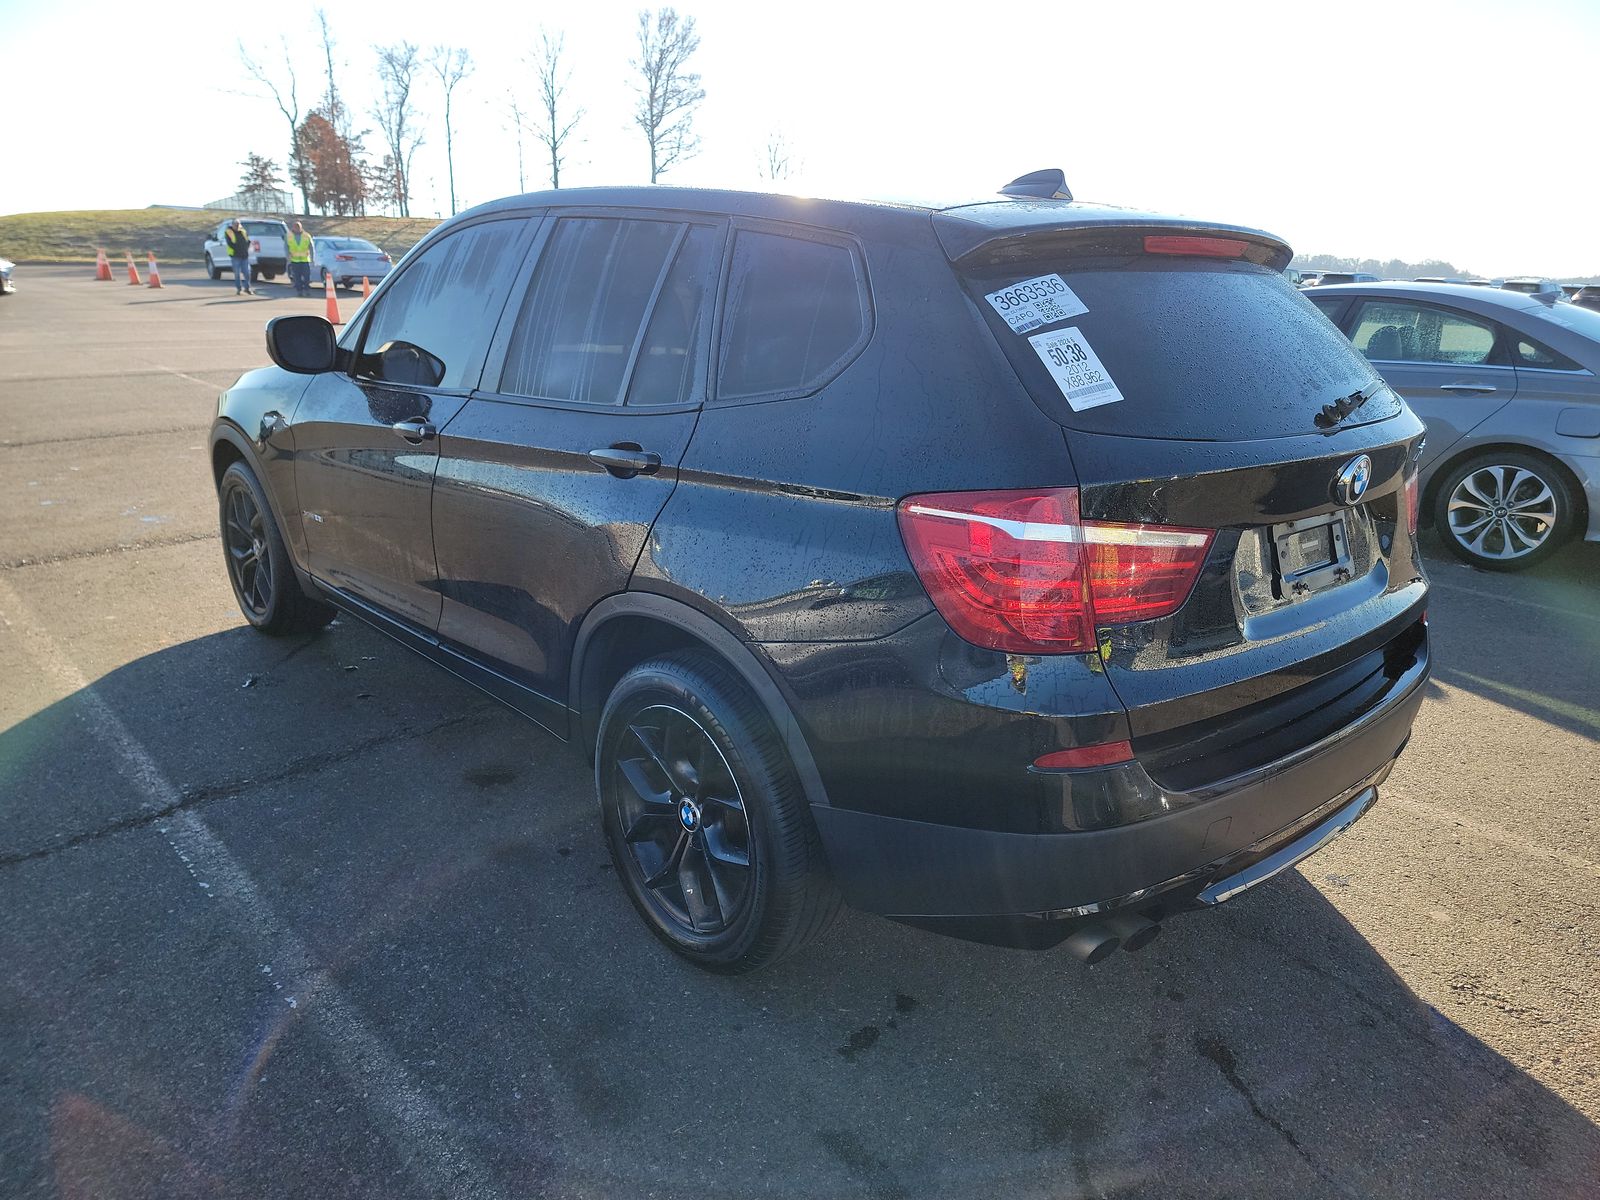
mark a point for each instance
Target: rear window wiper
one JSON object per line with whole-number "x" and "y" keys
{"x": 1338, "y": 410}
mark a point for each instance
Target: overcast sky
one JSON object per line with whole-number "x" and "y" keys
{"x": 1459, "y": 130}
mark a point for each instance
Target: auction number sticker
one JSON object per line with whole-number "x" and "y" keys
{"x": 1035, "y": 302}
{"x": 1075, "y": 368}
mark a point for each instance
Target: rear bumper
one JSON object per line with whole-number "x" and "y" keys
{"x": 1034, "y": 888}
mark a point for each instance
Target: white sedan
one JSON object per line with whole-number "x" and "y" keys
{"x": 348, "y": 260}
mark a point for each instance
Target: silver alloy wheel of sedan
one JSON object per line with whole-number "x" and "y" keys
{"x": 1502, "y": 511}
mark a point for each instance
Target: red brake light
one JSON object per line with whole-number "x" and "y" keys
{"x": 1018, "y": 571}
{"x": 1204, "y": 247}
{"x": 387, "y": 259}
{"x": 255, "y": 245}
{"x": 1413, "y": 500}
{"x": 1103, "y": 754}
{"x": 344, "y": 257}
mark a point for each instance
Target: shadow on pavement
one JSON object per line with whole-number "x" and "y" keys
{"x": 440, "y": 862}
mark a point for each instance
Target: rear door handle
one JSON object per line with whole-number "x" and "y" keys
{"x": 416, "y": 431}
{"x": 1475, "y": 388}
{"x": 626, "y": 459}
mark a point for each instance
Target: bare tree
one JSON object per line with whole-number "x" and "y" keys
{"x": 452, "y": 66}
{"x": 776, "y": 160}
{"x": 397, "y": 118}
{"x": 331, "y": 103}
{"x": 668, "y": 91}
{"x": 554, "y": 125}
{"x": 514, "y": 110}
{"x": 288, "y": 102}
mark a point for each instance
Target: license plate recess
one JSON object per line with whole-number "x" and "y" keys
{"x": 1310, "y": 555}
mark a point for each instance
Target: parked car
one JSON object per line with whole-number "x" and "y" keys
{"x": 1530, "y": 286}
{"x": 1588, "y": 296}
{"x": 7, "y": 269}
{"x": 1024, "y": 570}
{"x": 1330, "y": 277}
{"x": 269, "y": 250}
{"x": 1507, "y": 383}
{"x": 349, "y": 260}
{"x": 1309, "y": 278}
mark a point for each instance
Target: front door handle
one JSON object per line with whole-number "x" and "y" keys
{"x": 1475, "y": 388}
{"x": 627, "y": 459}
{"x": 416, "y": 431}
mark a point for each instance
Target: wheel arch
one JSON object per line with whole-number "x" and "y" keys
{"x": 230, "y": 444}
{"x": 1436, "y": 478}
{"x": 631, "y": 627}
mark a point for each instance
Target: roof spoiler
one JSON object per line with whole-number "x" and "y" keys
{"x": 1049, "y": 184}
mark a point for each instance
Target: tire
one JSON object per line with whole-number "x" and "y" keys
{"x": 1504, "y": 510}
{"x": 269, "y": 276}
{"x": 272, "y": 601}
{"x": 216, "y": 271}
{"x": 692, "y": 777}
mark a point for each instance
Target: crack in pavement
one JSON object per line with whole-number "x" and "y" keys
{"x": 1212, "y": 1047}
{"x": 211, "y": 793}
{"x": 12, "y": 564}
{"x": 96, "y": 437}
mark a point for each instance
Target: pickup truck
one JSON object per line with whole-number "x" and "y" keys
{"x": 269, "y": 252}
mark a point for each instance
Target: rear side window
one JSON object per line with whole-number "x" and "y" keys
{"x": 1391, "y": 331}
{"x": 447, "y": 301}
{"x": 1530, "y": 353}
{"x": 1196, "y": 349}
{"x": 576, "y": 332}
{"x": 795, "y": 313}
{"x": 670, "y": 368}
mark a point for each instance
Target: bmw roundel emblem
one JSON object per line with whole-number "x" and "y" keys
{"x": 688, "y": 815}
{"x": 1351, "y": 482}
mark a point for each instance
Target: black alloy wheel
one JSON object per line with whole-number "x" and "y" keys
{"x": 705, "y": 819}
{"x": 264, "y": 583}
{"x": 249, "y": 564}
{"x": 683, "y": 821}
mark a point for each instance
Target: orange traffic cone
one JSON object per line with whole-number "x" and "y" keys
{"x": 102, "y": 266}
{"x": 333, "y": 303}
{"x": 133, "y": 271}
{"x": 366, "y": 289}
{"x": 155, "y": 271}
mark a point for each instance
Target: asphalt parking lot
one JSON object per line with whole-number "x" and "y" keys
{"x": 310, "y": 917}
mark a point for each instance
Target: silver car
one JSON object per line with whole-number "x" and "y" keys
{"x": 349, "y": 260}
{"x": 1509, "y": 386}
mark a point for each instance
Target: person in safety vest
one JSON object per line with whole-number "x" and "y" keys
{"x": 300, "y": 255}
{"x": 239, "y": 255}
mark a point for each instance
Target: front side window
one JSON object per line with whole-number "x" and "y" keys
{"x": 795, "y": 310}
{"x": 1390, "y": 331}
{"x": 444, "y": 304}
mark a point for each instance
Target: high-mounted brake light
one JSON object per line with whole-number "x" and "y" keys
{"x": 1018, "y": 571}
{"x": 1203, "y": 247}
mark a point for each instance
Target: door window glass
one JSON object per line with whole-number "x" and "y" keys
{"x": 445, "y": 303}
{"x": 670, "y": 358}
{"x": 1389, "y": 331}
{"x": 578, "y": 325}
{"x": 794, "y": 310}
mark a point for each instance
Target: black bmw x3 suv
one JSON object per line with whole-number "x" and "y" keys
{"x": 1021, "y": 569}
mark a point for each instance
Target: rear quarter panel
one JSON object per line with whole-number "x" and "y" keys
{"x": 783, "y": 522}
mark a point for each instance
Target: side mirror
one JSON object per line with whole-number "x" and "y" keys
{"x": 404, "y": 362}
{"x": 304, "y": 345}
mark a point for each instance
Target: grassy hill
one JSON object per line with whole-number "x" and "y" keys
{"x": 175, "y": 234}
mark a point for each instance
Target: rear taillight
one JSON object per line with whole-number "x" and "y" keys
{"x": 256, "y": 246}
{"x": 1413, "y": 500}
{"x": 1203, "y": 247}
{"x": 386, "y": 258}
{"x": 1018, "y": 571}
{"x": 345, "y": 257}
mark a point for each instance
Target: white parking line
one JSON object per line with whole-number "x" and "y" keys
{"x": 422, "y": 1135}
{"x": 192, "y": 379}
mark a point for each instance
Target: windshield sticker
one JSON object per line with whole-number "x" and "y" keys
{"x": 1075, "y": 368}
{"x": 1035, "y": 302}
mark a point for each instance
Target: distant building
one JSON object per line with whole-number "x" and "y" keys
{"x": 257, "y": 202}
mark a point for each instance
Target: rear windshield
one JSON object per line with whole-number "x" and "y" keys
{"x": 264, "y": 228}
{"x": 349, "y": 244}
{"x": 1195, "y": 350}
